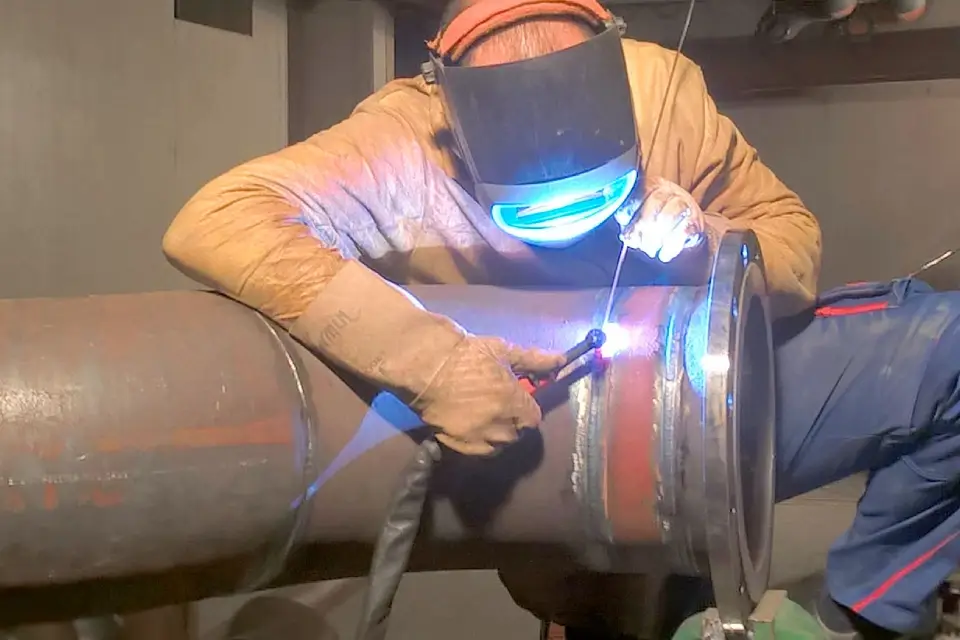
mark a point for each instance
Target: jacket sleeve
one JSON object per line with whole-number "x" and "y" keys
{"x": 265, "y": 232}
{"x": 729, "y": 179}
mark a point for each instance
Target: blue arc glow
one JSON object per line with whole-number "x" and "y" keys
{"x": 386, "y": 418}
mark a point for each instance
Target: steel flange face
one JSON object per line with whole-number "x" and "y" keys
{"x": 738, "y": 414}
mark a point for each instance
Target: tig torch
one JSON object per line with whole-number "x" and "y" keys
{"x": 594, "y": 340}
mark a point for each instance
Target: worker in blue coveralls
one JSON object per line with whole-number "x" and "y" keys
{"x": 437, "y": 179}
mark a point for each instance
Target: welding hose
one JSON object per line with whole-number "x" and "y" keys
{"x": 394, "y": 545}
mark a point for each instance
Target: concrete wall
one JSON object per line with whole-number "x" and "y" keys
{"x": 111, "y": 115}
{"x": 877, "y": 164}
{"x": 340, "y": 52}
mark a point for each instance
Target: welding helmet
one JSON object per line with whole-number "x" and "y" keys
{"x": 550, "y": 142}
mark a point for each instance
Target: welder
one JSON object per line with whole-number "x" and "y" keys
{"x": 530, "y": 150}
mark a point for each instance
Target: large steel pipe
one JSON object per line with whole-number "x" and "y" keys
{"x": 179, "y": 433}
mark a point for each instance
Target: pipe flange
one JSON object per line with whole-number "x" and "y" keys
{"x": 738, "y": 415}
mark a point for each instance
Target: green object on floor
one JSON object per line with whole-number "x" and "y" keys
{"x": 775, "y": 617}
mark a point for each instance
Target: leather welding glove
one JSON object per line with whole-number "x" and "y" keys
{"x": 668, "y": 221}
{"x": 461, "y": 384}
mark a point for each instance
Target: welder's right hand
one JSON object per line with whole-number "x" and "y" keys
{"x": 458, "y": 383}
{"x": 476, "y": 401}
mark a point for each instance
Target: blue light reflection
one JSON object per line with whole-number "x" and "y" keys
{"x": 695, "y": 346}
{"x": 387, "y": 417}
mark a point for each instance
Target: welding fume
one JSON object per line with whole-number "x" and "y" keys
{"x": 542, "y": 147}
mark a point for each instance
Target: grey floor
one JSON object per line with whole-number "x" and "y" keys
{"x": 468, "y": 605}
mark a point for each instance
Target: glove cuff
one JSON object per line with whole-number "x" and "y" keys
{"x": 376, "y": 330}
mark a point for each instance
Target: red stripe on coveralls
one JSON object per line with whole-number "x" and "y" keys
{"x": 833, "y": 312}
{"x": 890, "y": 582}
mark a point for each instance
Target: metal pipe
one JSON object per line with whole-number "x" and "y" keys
{"x": 167, "y": 441}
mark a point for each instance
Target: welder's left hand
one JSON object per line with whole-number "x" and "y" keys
{"x": 669, "y": 221}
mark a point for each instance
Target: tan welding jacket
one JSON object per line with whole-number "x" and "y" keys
{"x": 383, "y": 187}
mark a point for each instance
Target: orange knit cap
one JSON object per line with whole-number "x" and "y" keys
{"x": 485, "y": 16}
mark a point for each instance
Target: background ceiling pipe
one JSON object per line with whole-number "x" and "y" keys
{"x": 158, "y": 447}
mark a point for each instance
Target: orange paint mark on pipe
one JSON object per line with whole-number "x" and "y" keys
{"x": 51, "y": 499}
{"x": 631, "y": 469}
{"x": 273, "y": 431}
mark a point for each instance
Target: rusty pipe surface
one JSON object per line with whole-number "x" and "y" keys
{"x": 182, "y": 438}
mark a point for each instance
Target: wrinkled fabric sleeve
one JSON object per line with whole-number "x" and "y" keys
{"x": 729, "y": 179}
{"x": 265, "y": 232}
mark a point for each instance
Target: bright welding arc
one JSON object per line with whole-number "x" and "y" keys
{"x": 653, "y": 142}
